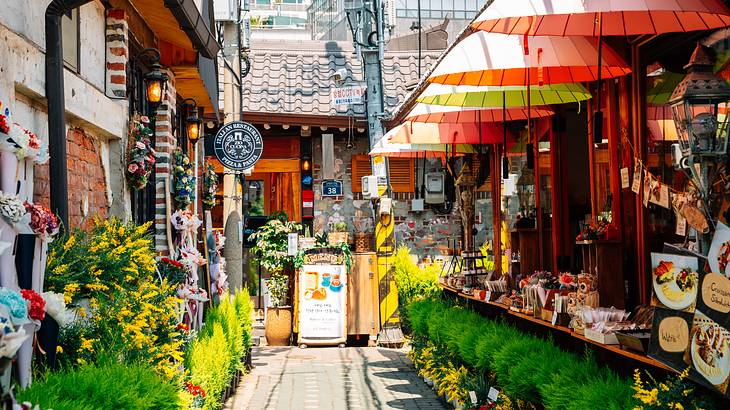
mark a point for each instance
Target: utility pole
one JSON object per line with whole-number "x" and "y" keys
{"x": 366, "y": 21}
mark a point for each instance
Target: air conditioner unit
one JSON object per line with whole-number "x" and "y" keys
{"x": 435, "y": 188}
{"x": 370, "y": 187}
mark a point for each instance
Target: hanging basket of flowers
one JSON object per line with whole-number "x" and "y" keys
{"x": 183, "y": 181}
{"x": 141, "y": 155}
{"x": 210, "y": 183}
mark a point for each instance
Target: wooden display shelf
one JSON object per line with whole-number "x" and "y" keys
{"x": 616, "y": 349}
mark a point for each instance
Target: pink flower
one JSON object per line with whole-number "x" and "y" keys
{"x": 140, "y": 145}
{"x": 132, "y": 168}
{"x": 151, "y": 159}
{"x": 145, "y": 119}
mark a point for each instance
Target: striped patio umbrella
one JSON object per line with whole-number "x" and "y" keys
{"x": 601, "y": 17}
{"x": 509, "y": 60}
{"x": 452, "y": 114}
{"x": 510, "y": 97}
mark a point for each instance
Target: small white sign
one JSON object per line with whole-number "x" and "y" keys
{"x": 636, "y": 185}
{"x": 555, "y": 317}
{"x": 347, "y": 95}
{"x": 292, "y": 244}
{"x": 493, "y": 394}
{"x": 473, "y": 397}
{"x": 681, "y": 229}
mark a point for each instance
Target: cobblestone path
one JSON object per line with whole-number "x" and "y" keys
{"x": 332, "y": 378}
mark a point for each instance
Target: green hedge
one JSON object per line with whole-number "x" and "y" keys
{"x": 112, "y": 386}
{"x": 217, "y": 353}
{"x": 526, "y": 367}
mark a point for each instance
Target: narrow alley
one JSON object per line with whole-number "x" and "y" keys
{"x": 332, "y": 378}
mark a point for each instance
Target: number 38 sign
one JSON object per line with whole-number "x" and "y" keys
{"x": 331, "y": 187}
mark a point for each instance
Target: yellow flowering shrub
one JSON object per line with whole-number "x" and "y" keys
{"x": 127, "y": 312}
{"x": 675, "y": 393}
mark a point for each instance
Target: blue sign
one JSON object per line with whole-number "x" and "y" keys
{"x": 331, "y": 187}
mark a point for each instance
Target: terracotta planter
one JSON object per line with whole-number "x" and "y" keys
{"x": 278, "y": 326}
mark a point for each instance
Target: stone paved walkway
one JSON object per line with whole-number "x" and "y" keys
{"x": 287, "y": 378}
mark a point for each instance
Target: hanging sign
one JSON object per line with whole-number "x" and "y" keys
{"x": 238, "y": 145}
{"x": 331, "y": 187}
{"x": 348, "y": 95}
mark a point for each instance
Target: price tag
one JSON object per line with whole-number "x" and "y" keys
{"x": 493, "y": 394}
{"x": 624, "y": 178}
{"x": 555, "y": 317}
{"x": 681, "y": 229}
{"x": 473, "y": 397}
{"x": 636, "y": 184}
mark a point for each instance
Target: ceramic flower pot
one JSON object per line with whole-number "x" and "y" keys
{"x": 278, "y": 326}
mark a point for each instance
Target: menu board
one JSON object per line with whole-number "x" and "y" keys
{"x": 322, "y": 304}
{"x": 696, "y": 335}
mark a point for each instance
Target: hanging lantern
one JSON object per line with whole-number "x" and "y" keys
{"x": 193, "y": 123}
{"x": 699, "y": 105}
{"x": 155, "y": 80}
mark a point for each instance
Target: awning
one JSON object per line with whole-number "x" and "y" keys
{"x": 187, "y": 46}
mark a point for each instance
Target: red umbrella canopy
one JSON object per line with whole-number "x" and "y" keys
{"x": 499, "y": 59}
{"x": 619, "y": 17}
{"x": 447, "y": 114}
{"x": 447, "y": 133}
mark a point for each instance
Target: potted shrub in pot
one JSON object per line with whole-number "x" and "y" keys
{"x": 270, "y": 250}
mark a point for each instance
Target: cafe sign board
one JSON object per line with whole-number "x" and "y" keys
{"x": 238, "y": 145}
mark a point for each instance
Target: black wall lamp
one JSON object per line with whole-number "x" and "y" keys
{"x": 155, "y": 80}
{"x": 193, "y": 123}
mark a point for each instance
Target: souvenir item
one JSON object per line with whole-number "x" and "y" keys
{"x": 695, "y": 218}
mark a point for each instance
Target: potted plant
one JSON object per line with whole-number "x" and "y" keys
{"x": 270, "y": 250}
{"x": 338, "y": 233}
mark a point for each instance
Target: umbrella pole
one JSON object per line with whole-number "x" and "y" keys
{"x": 598, "y": 114}
{"x": 505, "y": 161}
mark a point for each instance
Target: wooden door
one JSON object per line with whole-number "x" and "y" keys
{"x": 362, "y": 297}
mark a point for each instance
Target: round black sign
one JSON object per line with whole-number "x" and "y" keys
{"x": 238, "y": 145}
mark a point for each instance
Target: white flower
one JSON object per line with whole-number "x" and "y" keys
{"x": 11, "y": 342}
{"x": 11, "y": 208}
{"x": 56, "y": 307}
{"x": 140, "y": 145}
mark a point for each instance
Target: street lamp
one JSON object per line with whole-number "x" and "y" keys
{"x": 699, "y": 107}
{"x": 193, "y": 123}
{"x": 155, "y": 80}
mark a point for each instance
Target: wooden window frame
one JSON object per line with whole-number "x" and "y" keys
{"x": 402, "y": 187}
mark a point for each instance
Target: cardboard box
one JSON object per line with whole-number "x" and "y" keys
{"x": 602, "y": 338}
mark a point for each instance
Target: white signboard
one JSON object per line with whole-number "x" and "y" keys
{"x": 347, "y": 95}
{"x": 322, "y": 304}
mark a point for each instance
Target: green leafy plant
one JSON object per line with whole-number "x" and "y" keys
{"x": 217, "y": 353}
{"x": 340, "y": 226}
{"x": 107, "y": 386}
{"x": 527, "y": 369}
{"x": 676, "y": 392}
{"x": 272, "y": 240}
{"x": 183, "y": 180}
{"x": 413, "y": 282}
{"x": 210, "y": 187}
{"x": 278, "y": 289}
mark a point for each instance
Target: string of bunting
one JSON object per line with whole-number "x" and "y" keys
{"x": 650, "y": 188}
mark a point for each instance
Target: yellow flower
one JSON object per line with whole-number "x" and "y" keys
{"x": 71, "y": 288}
{"x": 82, "y": 312}
{"x": 87, "y": 344}
{"x": 59, "y": 350}
{"x": 97, "y": 287}
{"x": 81, "y": 361}
{"x": 664, "y": 387}
{"x": 69, "y": 243}
{"x": 121, "y": 231}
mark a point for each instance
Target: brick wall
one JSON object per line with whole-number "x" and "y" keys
{"x": 86, "y": 181}
{"x": 165, "y": 144}
{"x": 117, "y": 54}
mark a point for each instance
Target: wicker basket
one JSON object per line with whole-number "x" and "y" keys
{"x": 363, "y": 242}
{"x": 336, "y": 238}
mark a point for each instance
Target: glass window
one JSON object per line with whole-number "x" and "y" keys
{"x": 459, "y": 15}
{"x": 459, "y": 5}
{"x": 254, "y": 198}
{"x": 70, "y": 36}
{"x": 471, "y": 4}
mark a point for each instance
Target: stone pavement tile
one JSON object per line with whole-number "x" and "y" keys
{"x": 332, "y": 378}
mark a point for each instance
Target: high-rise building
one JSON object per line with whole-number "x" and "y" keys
{"x": 328, "y": 20}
